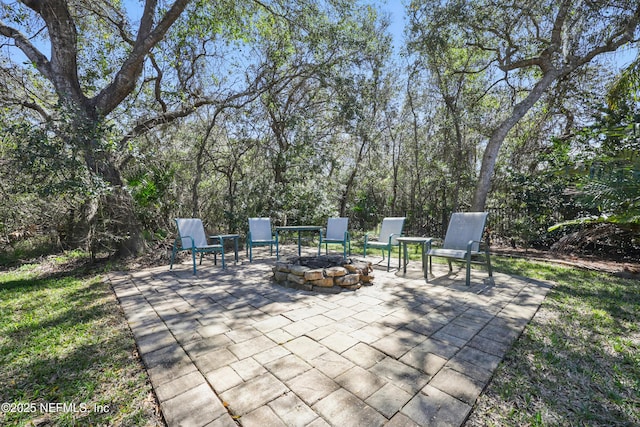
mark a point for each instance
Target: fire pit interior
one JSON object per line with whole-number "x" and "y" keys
{"x": 325, "y": 273}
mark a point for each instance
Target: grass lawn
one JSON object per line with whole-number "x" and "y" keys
{"x": 577, "y": 363}
{"x": 67, "y": 356}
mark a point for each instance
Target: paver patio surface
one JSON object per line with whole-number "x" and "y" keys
{"x": 231, "y": 347}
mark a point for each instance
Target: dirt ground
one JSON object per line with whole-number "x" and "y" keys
{"x": 623, "y": 269}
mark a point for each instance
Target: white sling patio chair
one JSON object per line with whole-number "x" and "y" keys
{"x": 337, "y": 232}
{"x": 192, "y": 237}
{"x": 260, "y": 234}
{"x": 390, "y": 230}
{"x": 463, "y": 242}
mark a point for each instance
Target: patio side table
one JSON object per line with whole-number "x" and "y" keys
{"x": 405, "y": 241}
{"x": 222, "y": 237}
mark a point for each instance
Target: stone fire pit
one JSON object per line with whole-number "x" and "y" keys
{"x": 323, "y": 273}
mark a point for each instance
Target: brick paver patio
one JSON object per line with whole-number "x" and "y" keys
{"x": 228, "y": 348}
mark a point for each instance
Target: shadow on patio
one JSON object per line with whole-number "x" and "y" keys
{"x": 234, "y": 347}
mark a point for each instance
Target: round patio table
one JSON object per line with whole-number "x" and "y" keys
{"x": 299, "y": 229}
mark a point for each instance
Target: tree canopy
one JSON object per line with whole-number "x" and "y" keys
{"x": 119, "y": 116}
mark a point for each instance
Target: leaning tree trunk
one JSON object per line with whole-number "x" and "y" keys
{"x": 498, "y": 136}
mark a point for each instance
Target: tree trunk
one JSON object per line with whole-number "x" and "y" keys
{"x": 79, "y": 227}
{"x": 124, "y": 222}
{"x": 498, "y": 136}
{"x": 106, "y": 223}
{"x": 348, "y": 186}
{"x": 110, "y": 222}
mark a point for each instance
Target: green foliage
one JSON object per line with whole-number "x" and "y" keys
{"x": 151, "y": 190}
{"x": 627, "y": 83}
{"x": 535, "y": 200}
{"x": 608, "y": 170}
{"x": 367, "y": 209}
{"x": 32, "y": 247}
{"x": 288, "y": 109}
{"x": 50, "y": 165}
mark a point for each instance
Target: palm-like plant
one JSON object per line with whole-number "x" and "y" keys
{"x": 628, "y": 82}
{"x": 609, "y": 186}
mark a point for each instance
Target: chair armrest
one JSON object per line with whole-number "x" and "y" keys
{"x": 470, "y": 244}
{"x": 391, "y": 237}
{"x": 427, "y": 244}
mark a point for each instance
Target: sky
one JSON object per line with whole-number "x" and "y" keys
{"x": 396, "y": 10}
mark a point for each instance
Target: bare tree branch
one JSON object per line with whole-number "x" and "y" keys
{"x": 148, "y": 37}
{"x": 22, "y": 42}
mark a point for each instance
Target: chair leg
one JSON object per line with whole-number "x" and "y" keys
{"x": 250, "y": 252}
{"x": 193, "y": 257}
{"x": 388, "y": 258}
{"x": 222, "y": 259}
{"x": 468, "y": 278}
{"x": 173, "y": 256}
{"x": 489, "y": 263}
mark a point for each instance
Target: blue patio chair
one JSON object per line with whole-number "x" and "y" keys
{"x": 260, "y": 234}
{"x": 192, "y": 237}
{"x": 337, "y": 232}
{"x": 463, "y": 242}
{"x": 390, "y": 230}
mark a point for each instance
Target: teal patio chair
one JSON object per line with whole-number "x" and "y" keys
{"x": 390, "y": 230}
{"x": 260, "y": 234}
{"x": 337, "y": 232}
{"x": 192, "y": 237}
{"x": 463, "y": 242}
